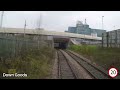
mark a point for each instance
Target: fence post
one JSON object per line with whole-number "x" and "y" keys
{"x": 116, "y": 38}
{"x": 110, "y": 40}
{"x": 107, "y": 39}
{"x": 102, "y": 40}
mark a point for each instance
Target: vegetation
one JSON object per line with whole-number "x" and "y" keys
{"x": 37, "y": 64}
{"x": 106, "y": 57}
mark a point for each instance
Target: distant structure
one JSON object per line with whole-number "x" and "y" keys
{"x": 84, "y": 29}
{"x": 111, "y": 39}
{"x": 39, "y": 28}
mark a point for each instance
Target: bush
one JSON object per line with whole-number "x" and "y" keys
{"x": 105, "y": 57}
{"x": 35, "y": 63}
{"x": 84, "y": 49}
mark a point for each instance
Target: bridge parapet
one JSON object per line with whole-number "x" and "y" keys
{"x": 45, "y": 32}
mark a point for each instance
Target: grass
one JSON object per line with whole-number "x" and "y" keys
{"x": 105, "y": 57}
{"x": 37, "y": 64}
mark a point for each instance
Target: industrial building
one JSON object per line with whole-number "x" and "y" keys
{"x": 111, "y": 38}
{"x": 84, "y": 29}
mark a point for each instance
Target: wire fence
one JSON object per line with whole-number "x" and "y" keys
{"x": 14, "y": 45}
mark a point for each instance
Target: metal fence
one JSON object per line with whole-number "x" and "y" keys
{"x": 111, "y": 39}
{"x": 13, "y": 45}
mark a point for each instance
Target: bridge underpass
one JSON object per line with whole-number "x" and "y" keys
{"x": 57, "y": 39}
{"x": 61, "y": 42}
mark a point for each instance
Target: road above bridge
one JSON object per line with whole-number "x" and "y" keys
{"x": 48, "y": 33}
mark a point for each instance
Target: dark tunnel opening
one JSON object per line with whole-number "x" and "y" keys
{"x": 60, "y": 42}
{"x": 60, "y": 45}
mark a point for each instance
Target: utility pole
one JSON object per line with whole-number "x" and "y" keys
{"x": 39, "y": 27}
{"x": 1, "y": 19}
{"x": 24, "y": 36}
{"x": 102, "y": 22}
{"x": 85, "y": 29}
{"x": 24, "y": 28}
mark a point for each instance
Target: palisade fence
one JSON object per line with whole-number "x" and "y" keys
{"x": 111, "y": 39}
{"x": 13, "y": 45}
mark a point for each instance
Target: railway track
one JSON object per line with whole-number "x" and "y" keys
{"x": 65, "y": 70}
{"x": 94, "y": 71}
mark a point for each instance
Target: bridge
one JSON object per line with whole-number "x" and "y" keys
{"x": 59, "y": 38}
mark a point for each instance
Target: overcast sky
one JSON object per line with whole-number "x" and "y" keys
{"x": 61, "y": 20}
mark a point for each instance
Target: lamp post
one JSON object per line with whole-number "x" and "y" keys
{"x": 40, "y": 21}
{"x": 102, "y": 22}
